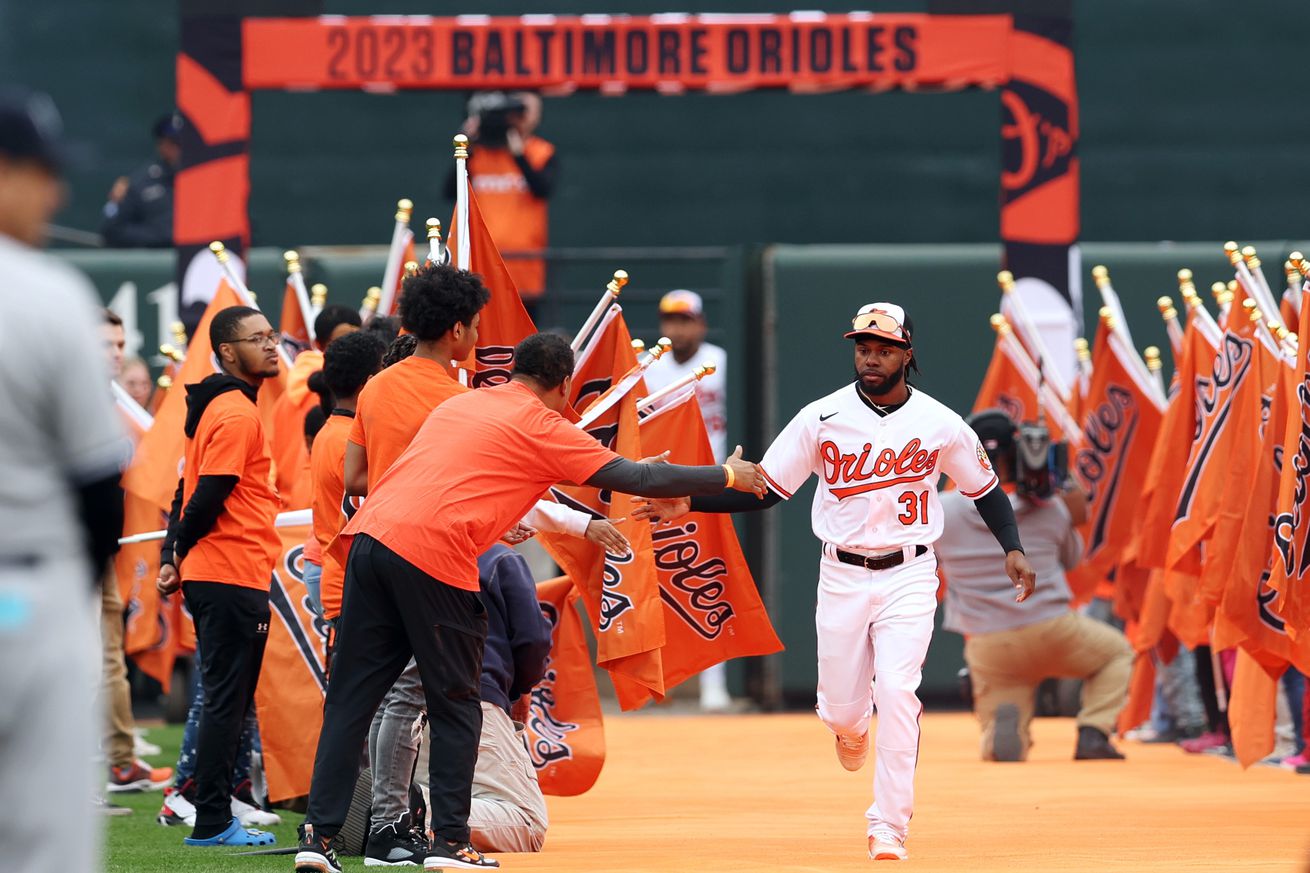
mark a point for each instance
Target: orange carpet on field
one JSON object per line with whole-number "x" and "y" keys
{"x": 761, "y": 793}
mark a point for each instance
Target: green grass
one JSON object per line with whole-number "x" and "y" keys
{"x": 136, "y": 843}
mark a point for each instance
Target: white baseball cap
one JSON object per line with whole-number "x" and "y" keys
{"x": 886, "y": 321}
{"x": 682, "y": 302}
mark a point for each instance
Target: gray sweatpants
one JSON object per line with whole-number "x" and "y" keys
{"x": 49, "y": 724}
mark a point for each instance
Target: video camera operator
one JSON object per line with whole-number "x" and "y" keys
{"x": 512, "y": 172}
{"x": 1010, "y": 648}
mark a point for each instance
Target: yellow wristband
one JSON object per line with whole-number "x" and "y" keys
{"x": 732, "y": 477}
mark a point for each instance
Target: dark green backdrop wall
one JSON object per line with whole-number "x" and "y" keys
{"x": 1189, "y": 131}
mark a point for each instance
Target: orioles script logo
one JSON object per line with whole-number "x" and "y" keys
{"x": 695, "y": 588}
{"x": 910, "y": 464}
{"x": 1214, "y": 400}
{"x": 494, "y": 365}
{"x": 1288, "y": 524}
{"x": 1109, "y": 431}
{"x": 613, "y": 602}
{"x": 549, "y": 733}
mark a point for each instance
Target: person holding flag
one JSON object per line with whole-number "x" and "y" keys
{"x": 477, "y": 465}
{"x": 879, "y": 445}
{"x": 220, "y": 550}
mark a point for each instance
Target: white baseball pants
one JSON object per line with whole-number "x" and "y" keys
{"x": 873, "y": 632}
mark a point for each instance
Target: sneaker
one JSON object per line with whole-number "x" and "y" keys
{"x": 104, "y": 807}
{"x": 396, "y": 845}
{"x": 715, "y": 700}
{"x": 251, "y": 814}
{"x": 142, "y": 747}
{"x": 1006, "y": 744}
{"x": 1294, "y": 762}
{"x": 1093, "y": 745}
{"x": 1205, "y": 742}
{"x": 456, "y": 856}
{"x": 851, "y": 751}
{"x": 886, "y": 846}
{"x": 138, "y": 776}
{"x": 178, "y": 808}
{"x": 1303, "y": 770}
{"x": 315, "y": 853}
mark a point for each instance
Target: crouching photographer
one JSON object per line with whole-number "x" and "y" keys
{"x": 1010, "y": 647}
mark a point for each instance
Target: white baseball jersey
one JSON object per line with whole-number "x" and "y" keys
{"x": 877, "y": 474}
{"x": 711, "y": 392}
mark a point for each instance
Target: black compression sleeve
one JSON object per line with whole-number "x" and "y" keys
{"x": 996, "y": 511}
{"x": 174, "y": 516}
{"x": 100, "y": 510}
{"x": 540, "y": 182}
{"x": 735, "y": 501}
{"x": 202, "y": 510}
{"x": 658, "y": 480}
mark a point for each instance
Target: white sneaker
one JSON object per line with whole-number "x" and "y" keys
{"x": 886, "y": 846}
{"x": 143, "y": 747}
{"x": 715, "y": 700}
{"x": 177, "y": 810}
{"x": 253, "y": 816}
{"x": 852, "y": 751}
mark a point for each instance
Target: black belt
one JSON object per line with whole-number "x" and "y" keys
{"x": 882, "y": 562}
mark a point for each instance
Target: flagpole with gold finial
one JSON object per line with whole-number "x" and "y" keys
{"x": 296, "y": 276}
{"x": 1169, "y": 313}
{"x": 178, "y": 329}
{"x": 224, "y": 259}
{"x": 622, "y": 387}
{"x": 317, "y": 298}
{"x": 674, "y": 387}
{"x": 400, "y": 238}
{"x": 662, "y": 347}
{"x": 437, "y": 252}
{"x": 1155, "y": 366}
{"x": 612, "y": 291}
{"x": 639, "y": 346}
{"x": 1223, "y": 298}
{"x": 1296, "y": 280}
{"x": 370, "y": 305}
{"x": 411, "y": 269}
{"x": 1257, "y": 282}
{"x": 1051, "y": 403}
{"x": 463, "y": 245}
{"x": 1119, "y": 323}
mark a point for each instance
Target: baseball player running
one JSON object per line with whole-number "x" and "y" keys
{"x": 878, "y": 447}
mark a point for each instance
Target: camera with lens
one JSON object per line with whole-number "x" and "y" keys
{"x": 1041, "y": 466}
{"x": 494, "y": 111}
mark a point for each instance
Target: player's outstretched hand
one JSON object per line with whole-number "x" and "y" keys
{"x": 519, "y": 533}
{"x": 168, "y": 580}
{"x": 603, "y": 533}
{"x": 661, "y": 458}
{"x": 1022, "y": 574}
{"x": 661, "y": 510}
{"x": 747, "y": 475}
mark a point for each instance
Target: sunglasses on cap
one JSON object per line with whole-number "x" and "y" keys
{"x": 879, "y": 321}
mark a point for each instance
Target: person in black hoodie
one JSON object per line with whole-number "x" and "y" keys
{"x": 508, "y": 812}
{"x": 220, "y": 550}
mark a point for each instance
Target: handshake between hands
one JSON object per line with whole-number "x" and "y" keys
{"x": 746, "y": 476}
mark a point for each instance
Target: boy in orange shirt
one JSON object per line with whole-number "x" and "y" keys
{"x": 220, "y": 549}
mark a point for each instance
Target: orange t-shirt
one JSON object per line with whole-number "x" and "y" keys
{"x": 392, "y": 408}
{"x": 476, "y": 467}
{"x": 243, "y": 545}
{"x": 331, "y": 508}
{"x": 517, "y": 220}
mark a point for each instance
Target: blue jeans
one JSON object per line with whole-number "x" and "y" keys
{"x": 313, "y": 578}
{"x": 186, "y": 759}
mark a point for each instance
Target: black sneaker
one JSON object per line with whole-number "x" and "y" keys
{"x": 1094, "y": 745}
{"x": 315, "y": 853}
{"x": 456, "y": 856}
{"x": 396, "y": 845}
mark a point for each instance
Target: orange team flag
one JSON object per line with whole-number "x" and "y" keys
{"x": 176, "y": 639}
{"x": 504, "y": 321}
{"x": 1290, "y": 576}
{"x": 1168, "y": 471}
{"x": 287, "y": 438}
{"x": 157, "y": 464}
{"x": 712, "y": 608}
{"x": 1013, "y": 385}
{"x": 1123, "y": 417}
{"x": 620, "y": 592}
{"x": 565, "y": 729}
{"x": 1214, "y": 438}
{"x": 1252, "y": 710}
{"x": 293, "y": 679}
{"x": 297, "y": 333}
{"x": 137, "y": 567}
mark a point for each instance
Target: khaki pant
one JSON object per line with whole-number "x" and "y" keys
{"x": 508, "y": 813}
{"x": 1007, "y": 666}
{"x": 119, "y": 742}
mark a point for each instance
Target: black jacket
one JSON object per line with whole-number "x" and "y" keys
{"x": 518, "y": 635}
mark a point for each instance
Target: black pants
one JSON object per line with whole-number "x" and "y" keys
{"x": 231, "y": 630}
{"x": 392, "y": 611}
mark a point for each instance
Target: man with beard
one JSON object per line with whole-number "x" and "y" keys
{"x": 220, "y": 550}
{"x": 879, "y": 446}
